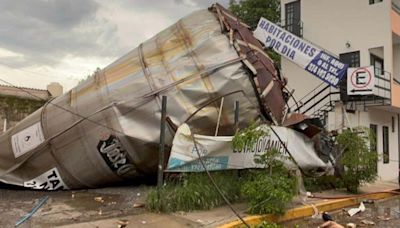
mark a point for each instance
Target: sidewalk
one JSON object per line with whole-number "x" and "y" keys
{"x": 82, "y": 208}
{"x": 223, "y": 216}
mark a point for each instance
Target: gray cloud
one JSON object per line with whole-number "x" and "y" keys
{"x": 45, "y": 31}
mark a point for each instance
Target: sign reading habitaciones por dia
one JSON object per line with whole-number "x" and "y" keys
{"x": 312, "y": 59}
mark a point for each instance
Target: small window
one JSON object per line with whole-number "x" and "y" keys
{"x": 378, "y": 65}
{"x": 385, "y": 140}
{"x": 374, "y": 132}
{"x": 371, "y": 2}
{"x": 292, "y": 17}
{"x": 351, "y": 58}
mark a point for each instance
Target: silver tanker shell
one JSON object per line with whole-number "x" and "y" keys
{"x": 106, "y": 129}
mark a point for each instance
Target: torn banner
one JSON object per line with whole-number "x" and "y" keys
{"x": 218, "y": 154}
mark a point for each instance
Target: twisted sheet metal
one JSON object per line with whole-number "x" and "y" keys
{"x": 110, "y": 131}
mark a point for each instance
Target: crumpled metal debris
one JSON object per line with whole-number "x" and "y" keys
{"x": 106, "y": 130}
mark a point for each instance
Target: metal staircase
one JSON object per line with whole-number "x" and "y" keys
{"x": 321, "y": 100}
{"x": 318, "y": 102}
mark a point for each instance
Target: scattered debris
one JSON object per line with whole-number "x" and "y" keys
{"x": 367, "y": 222}
{"x": 354, "y": 211}
{"x": 383, "y": 218}
{"x": 138, "y": 205}
{"x": 122, "y": 223}
{"x": 326, "y": 217}
{"x": 368, "y": 201}
{"x": 351, "y": 225}
{"x": 99, "y": 199}
{"x": 41, "y": 202}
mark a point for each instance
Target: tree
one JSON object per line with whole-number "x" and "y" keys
{"x": 358, "y": 159}
{"x": 250, "y": 11}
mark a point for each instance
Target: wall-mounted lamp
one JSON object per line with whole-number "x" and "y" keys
{"x": 347, "y": 44}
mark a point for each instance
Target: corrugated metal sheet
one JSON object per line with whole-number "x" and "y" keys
{"x": 106, "y": 130}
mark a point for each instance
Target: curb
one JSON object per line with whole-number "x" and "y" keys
{"x": 306, "y": 211}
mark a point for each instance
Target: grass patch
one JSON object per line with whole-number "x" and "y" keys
{"x": 194, "y": 191}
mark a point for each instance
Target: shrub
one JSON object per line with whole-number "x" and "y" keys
{"x": 358, "y": 161}
{"x": 268, "y": 194}
{"x": 194, "y": 191}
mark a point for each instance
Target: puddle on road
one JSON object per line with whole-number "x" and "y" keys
{"x": 384, "y": 213}
{"x": 90, "y": 201}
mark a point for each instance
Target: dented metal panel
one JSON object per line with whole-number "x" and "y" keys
{"x": 106, "y": 130}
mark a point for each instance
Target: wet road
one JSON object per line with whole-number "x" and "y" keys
{"x": 383, "y": 213}
{"x": 66, "y": 207}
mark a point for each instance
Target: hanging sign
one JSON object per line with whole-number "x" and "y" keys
{"x": 309, "y": 57}
{"x": 360, "y": 81}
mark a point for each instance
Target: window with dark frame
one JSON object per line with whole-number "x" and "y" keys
{"x": 353, "y": 60}
{"x": 371, "y": 2}
{"x": 378, "y": 64}
{"x": 292, "y": 17}
{"x": 374, "y": 141}
{"x": 385, "y": 143}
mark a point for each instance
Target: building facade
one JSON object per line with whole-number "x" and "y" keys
{"x": 16, "y": 103}
{"x": 359, "y": 33}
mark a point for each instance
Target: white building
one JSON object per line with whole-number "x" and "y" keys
{"x": 360, "y": 33}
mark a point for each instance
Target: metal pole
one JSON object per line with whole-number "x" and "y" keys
{"x": 219, "y": 116}
{"x": 162, "y": 143}
{"x": 236, "y": 115}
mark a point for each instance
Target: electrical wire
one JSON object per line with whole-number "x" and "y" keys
{"x": 61, "y": 107}
{"x": 215, "y": 184}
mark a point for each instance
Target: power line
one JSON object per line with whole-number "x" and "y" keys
{"x": 48, "y": 76}
{"x": 61, "y": 107}
{"x": 215, "y": 184}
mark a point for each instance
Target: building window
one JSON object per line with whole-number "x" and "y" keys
{"x": 351, "y": 58}
{"x": 385, "y": 142}
{"x": 292, "y": 17}
{"x": 373, "y": 139}
{"x": 378, "y": 64}
{"x": 374, "y": 1}
{"x": 393, "y": 125}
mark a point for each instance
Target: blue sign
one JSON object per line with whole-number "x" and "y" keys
{"x": 311, "y": 58}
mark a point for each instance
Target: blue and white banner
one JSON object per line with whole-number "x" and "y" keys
{"x": 307, "y": 56}
{"x": 217, "y": 152}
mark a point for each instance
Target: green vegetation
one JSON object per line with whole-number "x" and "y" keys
{"x": 194, "y": 191}
{"x": 358, "y": 160}
{"x": 248, "y": 136}
{"x": 278, "y": 185}
{"x": 250, "y": 11}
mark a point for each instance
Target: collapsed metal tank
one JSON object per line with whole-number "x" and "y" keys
{"x": 106, "y": 130}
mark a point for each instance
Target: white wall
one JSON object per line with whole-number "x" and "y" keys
{"x": 388, "y": 171}
{"x": 330, "y": 24}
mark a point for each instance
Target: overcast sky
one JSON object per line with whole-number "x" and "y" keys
{"x": 65, "y": 40}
